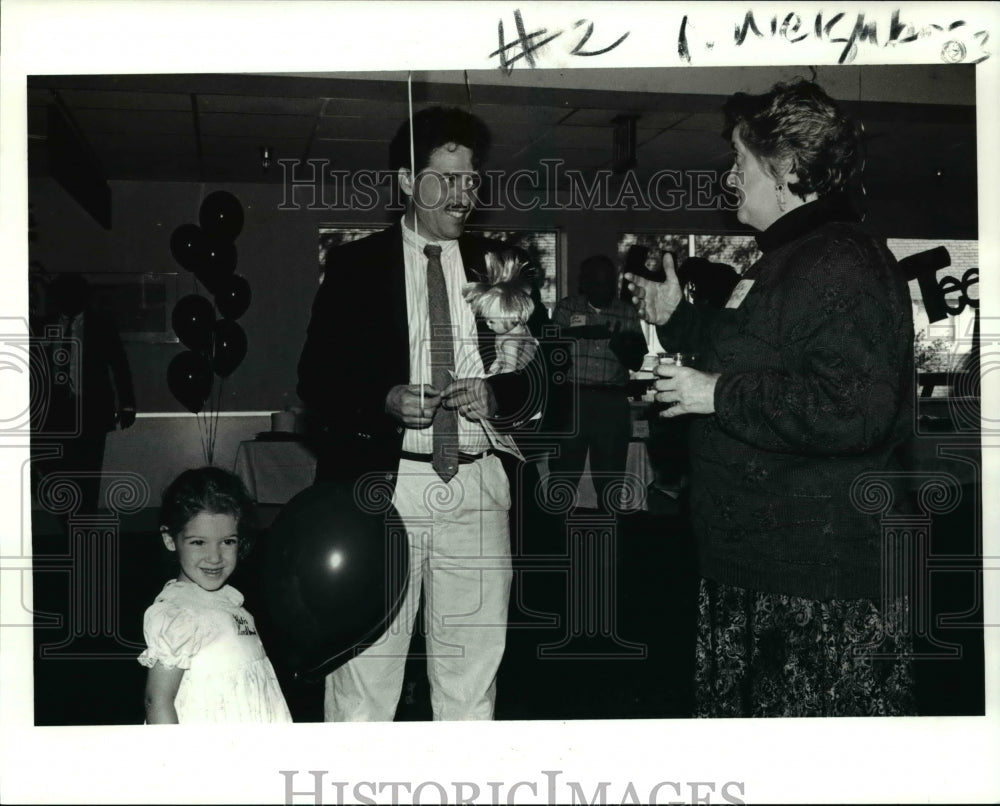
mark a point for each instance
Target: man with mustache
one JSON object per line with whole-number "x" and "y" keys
{"x": 371, "y": 371}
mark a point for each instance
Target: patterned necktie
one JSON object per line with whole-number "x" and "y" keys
{"x": 442, "y": 354}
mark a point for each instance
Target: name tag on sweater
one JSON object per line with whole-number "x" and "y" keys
{"x": 739, "y": 293}
{"x": 577, "y": 320}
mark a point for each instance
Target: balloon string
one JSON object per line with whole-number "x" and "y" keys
{"x": 201, "y": 434}
{"x": 208, "y": 432}
{"x": 416, "y": 245}
{"x": 215, "y": 423}
{"x": 413, "y": 162}
{"x": 215, "y": 388}
{"x": 211, "y": 446}
{"x": 218, "y": 404}
{"x": 209, "y": 442}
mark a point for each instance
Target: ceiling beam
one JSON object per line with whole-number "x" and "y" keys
{"x": 74, "y": 166}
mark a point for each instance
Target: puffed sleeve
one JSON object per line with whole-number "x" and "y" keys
{"x": 173, "y": 636}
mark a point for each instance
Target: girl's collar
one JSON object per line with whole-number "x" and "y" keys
{"x": 832, "y": 207}
{"x": 226, "y": 592}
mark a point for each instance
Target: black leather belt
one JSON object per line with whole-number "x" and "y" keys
{"x": 463, "y": 458}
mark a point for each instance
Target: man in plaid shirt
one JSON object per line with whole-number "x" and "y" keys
{"x": 609, "y": 342}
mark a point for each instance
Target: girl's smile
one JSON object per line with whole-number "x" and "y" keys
{"x": 206, "y": 549}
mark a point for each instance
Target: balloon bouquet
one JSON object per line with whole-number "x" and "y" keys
{"x": 337, "y": 567}
{"x": 216, "y": 345}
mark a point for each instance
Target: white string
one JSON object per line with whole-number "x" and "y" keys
{"x": 413, "y": 170}
{"x": 416, "y": 243}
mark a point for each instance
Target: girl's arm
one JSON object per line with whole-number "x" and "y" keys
{"x": 162, "y": 683}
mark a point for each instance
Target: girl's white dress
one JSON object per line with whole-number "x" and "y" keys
{"x": 228, "y": 677}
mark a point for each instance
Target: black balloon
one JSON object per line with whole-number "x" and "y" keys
{"x": 193, "y": 319}
{"x": 336, "y": 577}
{"x": 221, "y": 214}
{"x": 217, "y": 264}
{"x": 233, "y": 297}
{"x": 188, "y": 246}
{"x": 189, "y": 377}
{"x": 230, "y": 347}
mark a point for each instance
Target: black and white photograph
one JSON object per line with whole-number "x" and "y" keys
{"x": 495, "y": 403}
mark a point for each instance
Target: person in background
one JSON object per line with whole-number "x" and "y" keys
{"x": 802, "y": 393}
{"x": 643, "y": 261}
{"x": 706, "y": 282}
{"x": 596, "y": 414}
{"x": 89, "y": 391}
{"x": 389, "y": 415}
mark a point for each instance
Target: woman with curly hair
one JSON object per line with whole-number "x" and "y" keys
{"x": 802, "y": 393}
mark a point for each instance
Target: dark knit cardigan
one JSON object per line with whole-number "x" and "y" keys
{"x": 816, "y": 388}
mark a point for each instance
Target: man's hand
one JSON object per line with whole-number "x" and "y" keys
{"x": 689, "y": 390}
{"x": 406, "y": 404}
{"x": 655, "y": 302}
{"x": 471, "y": 397}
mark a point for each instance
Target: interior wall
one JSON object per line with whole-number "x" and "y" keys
{"x": 277, "y": 254}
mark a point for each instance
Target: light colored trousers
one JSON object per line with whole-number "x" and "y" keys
{"x": 459, "y": 540}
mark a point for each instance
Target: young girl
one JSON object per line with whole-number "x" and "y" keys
{"x": 205, "y": 660}
{"x": 504, "y": 302}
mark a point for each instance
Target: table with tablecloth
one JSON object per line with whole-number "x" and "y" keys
{"x": 274, "y": 470}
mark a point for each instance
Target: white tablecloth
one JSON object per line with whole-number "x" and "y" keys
{"x": 274, "y": 471}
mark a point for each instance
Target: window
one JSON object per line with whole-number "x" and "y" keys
{"x": 738, "y": 251}
{"x": 140, "y": 304}
{"x": 657, "y": 243}
{"x": 939, "y": 347}
{"x": 541, "y": 246}
{"x": 331, "y": 236}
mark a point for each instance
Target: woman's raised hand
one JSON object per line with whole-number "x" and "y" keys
{"x": 655, "y": 302}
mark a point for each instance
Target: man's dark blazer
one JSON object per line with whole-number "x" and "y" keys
{"x": 358, "y": 347}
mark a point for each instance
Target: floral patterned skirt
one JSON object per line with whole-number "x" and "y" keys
{"x": 764, "y": 654}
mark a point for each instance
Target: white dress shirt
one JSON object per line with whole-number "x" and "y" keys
{"x": 468, "y": 361}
